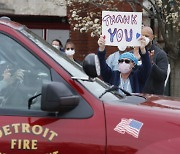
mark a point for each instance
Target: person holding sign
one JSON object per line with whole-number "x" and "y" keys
{"x": 112, "y": 60}
{"x": 126, "y": 78}
{"x": 122, "y": 29}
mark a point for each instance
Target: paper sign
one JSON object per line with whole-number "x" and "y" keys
{"x": 121, "y": 28}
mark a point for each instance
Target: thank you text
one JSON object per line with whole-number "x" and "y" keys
{"x": 121, "y": 28}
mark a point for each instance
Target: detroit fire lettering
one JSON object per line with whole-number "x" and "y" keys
{"x": 25, "y": 128}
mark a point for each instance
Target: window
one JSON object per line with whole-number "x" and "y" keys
{"x": 16, "y": 90}
{"x": 22, "y": 74}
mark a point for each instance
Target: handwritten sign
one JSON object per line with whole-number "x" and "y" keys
{"x": 121, "y": 28}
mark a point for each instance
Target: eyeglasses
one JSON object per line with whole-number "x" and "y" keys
{"x": 127, "y": 61}
{"x": 69, "y": 48}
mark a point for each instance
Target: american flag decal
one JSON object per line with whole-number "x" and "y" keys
{"x": 129, "y": 126}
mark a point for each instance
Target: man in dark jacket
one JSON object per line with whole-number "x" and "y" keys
{"x": 126, "y": 78}
{"x": 157, "y": 77}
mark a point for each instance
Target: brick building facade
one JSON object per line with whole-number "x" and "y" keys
{"x": 47, "y": 18}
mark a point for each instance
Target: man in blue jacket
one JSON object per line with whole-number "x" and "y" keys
{"x": 126, "y": 78}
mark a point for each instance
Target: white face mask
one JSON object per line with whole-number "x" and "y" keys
{"x": 70, "y": 52}
{"x": 124, "y": 67}
{"x": 122, "y": 47}
{"x": 147, "y": 40}
{"x": 56, "y": 46}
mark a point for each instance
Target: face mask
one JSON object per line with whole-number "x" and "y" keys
{"x": 147, "y": 40}
{"x": 56, "y": 46}
{"x": 124, "y": 67}
{"x": 122, "y": 47}
{"x": 70, "y": 52}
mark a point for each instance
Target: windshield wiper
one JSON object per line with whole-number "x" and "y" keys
{"x": 125, "y": 92}
{"x": 30, "y": 101}
{"x": 115, "y": 88}
{"x": 83, "y": 79}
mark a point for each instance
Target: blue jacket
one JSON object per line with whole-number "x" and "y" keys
{"x": 137, "y": 77}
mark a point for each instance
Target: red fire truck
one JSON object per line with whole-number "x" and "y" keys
{"x": 51, "y": 105}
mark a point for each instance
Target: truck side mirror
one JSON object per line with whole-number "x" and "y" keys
{"x": 57, "y": 97}
{"x": 91, "y": 65}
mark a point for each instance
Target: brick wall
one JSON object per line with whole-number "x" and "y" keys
{"x": 85, "y": 44}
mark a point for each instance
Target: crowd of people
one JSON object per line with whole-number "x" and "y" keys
{"x": 139, "y": 69}
{"x": 68, "y": 49}
{"x": 154, "y": 80}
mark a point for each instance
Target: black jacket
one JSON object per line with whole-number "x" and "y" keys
{"x": 157, "y": 77}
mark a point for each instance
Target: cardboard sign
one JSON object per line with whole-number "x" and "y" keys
{"x": 121, "y": 28}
